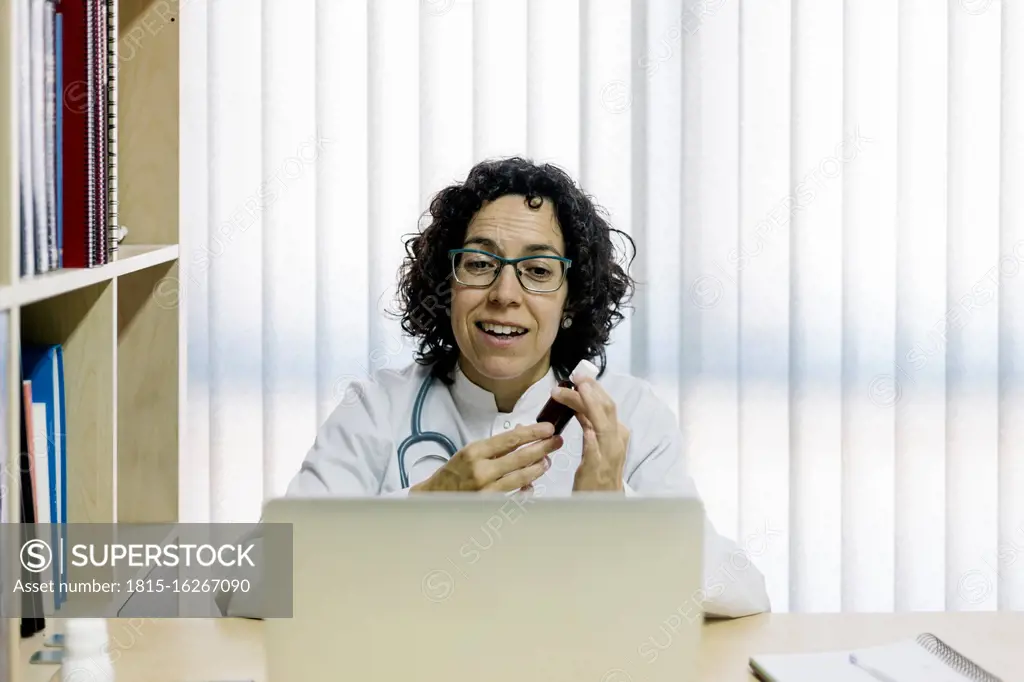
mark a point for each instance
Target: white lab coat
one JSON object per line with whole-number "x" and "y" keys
{"x": 355, "y": 455}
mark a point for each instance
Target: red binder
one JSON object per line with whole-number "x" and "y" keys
{"x": 84, "y": 146}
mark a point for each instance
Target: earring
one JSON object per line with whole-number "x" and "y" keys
{"x": 566, "y": 322}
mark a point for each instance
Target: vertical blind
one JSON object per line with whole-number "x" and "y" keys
{"x": 825, "y": 198}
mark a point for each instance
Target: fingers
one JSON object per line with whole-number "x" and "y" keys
{"x": 590, "y": 440}
{"x": 526, "y": 456}
{"x": 598, "y": 406}
{"x": 569, "y": 398}
{"x": 504, "y": 443}
{"x": 590, "y": 401}
{"x": 519, "y": 478}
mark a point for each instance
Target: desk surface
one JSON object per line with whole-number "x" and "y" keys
{"x": 182, "y": 650}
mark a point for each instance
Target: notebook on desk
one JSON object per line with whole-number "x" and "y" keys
{"x": 925, "y": 658}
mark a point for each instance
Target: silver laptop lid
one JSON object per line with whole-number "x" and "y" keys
{"x": 466, "y": 588}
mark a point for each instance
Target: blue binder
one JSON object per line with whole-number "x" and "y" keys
{"x": 44, "y": 367}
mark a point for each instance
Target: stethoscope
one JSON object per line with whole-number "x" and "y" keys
{"x": 417, "y": 436}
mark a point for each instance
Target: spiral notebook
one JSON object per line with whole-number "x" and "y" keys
{"x": 925, "y": 658}
{"x": 87, "y": 190}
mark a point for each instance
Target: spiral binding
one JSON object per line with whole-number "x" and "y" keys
{"x": 112, "y": 69}
{"x": 102, "y": 198}
{"x": 90, "y": 21}
{"x": 954, "y": 659}
{"x": 51, "y": 142}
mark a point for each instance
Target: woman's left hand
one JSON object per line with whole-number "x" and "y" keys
{"x": 605, "y": 438}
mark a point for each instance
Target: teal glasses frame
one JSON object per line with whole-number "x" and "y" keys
{"x": 502, "y": 262}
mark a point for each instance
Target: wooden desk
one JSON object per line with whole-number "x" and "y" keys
{"x": 208, "y": 650}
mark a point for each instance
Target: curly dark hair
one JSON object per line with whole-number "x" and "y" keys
{"x": 598, "y": 285}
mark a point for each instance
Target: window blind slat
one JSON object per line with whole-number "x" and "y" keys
{"x": 343, "y": 263}
{"x": 869, "y": 313}
{"x": 290, "y": 150}
{"x": 232, "y": 254}
{"x": 919, "y": 375}
{"x": 815, "y": 231}
{"x": 971, "y": 320}
{"x": 763, "y": 264}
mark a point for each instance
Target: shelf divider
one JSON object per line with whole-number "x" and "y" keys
{"x": 147, "y": 398}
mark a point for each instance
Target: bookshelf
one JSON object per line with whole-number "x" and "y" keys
{"x": 120, "y": 324}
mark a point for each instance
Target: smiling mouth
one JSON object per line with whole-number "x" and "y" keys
{"x": 500, "y": 331}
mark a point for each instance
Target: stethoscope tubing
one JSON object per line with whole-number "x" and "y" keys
{"x": 417, "y": 436}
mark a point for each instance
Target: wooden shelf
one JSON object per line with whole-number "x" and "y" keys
{"x": 57, "y": 282}
{"x": 123, "y": 341}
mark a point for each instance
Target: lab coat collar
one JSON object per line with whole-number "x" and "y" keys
{"x": 474, "y": 400}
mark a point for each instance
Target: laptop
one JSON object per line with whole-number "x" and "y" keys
{"x": 470, "y": 587}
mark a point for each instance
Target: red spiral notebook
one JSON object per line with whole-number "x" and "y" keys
{"x": 89, "y": 127}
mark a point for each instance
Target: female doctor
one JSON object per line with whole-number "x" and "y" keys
{"x": 513, "y": 282}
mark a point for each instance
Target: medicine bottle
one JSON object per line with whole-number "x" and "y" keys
{"x": 557, "y": 413}
{"x": 86, "y": 654}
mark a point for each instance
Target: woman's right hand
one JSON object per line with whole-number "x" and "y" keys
{"x": 495, "y": 463}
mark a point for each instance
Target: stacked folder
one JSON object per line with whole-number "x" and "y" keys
{"x": 43, "y": 404}
{"x": 66, "y": 90}
{"x": 44, "y": 468}
{"x": 41, "y": 485}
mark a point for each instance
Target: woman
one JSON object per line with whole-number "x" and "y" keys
{"x": 494, "y": 342}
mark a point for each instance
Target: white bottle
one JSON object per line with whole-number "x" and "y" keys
{"x": 86, "y": 654}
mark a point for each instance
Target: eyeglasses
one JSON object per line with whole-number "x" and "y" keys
{"x": 480, "y": 269}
